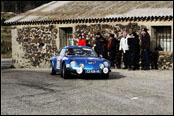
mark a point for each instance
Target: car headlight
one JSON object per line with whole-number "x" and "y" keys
{"x": 101, "y": 66}
{"x": 79, "y": 70}
{"x": 106, "y": 64}
{"x": 73, "y": 63}
{"x": 105, "y": 70}
{"x": 82, "y": 65}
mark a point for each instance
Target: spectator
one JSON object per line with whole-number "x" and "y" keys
{"x": 100, "y": 47}
{"x": 118, "y": 54}
{"x": 145, "y": 45}
{"x": 111, "y": 47}
{"x": 154, "y": 58}
{"x": 124, "y": 47}
{"x": 82, "y": 41}
{"x": 133, "y": 43}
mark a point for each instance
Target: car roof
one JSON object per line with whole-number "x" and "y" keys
{"x": 76, "y": 47}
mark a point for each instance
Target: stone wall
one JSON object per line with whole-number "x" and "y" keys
{"x": 28, "y": 51}
{"x": 165, "y": 61}
{"x": 38, "y": 44}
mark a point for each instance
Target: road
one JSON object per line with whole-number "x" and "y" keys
{"x": 35, "y": 91}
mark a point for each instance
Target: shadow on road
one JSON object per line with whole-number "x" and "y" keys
{"x": 113, "y": 75}
{"x": 42, "y": 74}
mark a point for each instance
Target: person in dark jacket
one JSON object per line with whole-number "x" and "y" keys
{"x": 145, "y": 47}
{"x": 137, "y": 57}
{"x": 154, "y": 58}
{"x": 111, "y": 48}
{"x": 133, "y": 43}
{"x": 100, "y": 47}
{"x": 118, "y": 55}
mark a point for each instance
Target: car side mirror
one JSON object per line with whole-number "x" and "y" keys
{"x": 101, "y": 56}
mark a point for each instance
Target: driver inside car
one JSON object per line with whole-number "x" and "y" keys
{"x": 85, "y": 53}
{"x": 70, "y": 52}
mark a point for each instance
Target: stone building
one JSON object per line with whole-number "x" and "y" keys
{"x": 39, "y": 34}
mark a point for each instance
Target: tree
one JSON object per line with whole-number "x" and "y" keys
{"x": 20, "y": 6}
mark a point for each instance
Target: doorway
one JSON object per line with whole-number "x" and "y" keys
{"x": 65, "y": 37}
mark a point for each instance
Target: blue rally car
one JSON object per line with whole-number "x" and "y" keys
{"x": 79, "y": 60}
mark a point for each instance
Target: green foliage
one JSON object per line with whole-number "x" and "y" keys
{"x": 20, "y": 6}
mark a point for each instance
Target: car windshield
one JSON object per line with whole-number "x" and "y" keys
{"x": 80, "y": 52}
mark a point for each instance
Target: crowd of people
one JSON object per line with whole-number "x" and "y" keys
{"x": 128, "y": 47}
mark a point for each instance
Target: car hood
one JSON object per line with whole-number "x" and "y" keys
{"x": 87, "y": 60}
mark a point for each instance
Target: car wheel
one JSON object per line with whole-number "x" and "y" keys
{"x": 64, "y": 73}
{"x": 53, "y": 72}
{"x": 105, "y": 76}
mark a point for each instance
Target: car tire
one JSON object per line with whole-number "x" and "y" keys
{"x": 53, "y": 72}
{"x": 105, "y": 76}
{"x": 64, "y": 72}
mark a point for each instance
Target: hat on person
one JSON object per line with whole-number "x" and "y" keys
{"x": 98, "y": 33}
{"x": 144, "y": 29}
{"x": 111, "y": 35}
{"x": 80, "y": 35}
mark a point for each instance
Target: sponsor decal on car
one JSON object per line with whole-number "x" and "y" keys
{"x": 92, "y": 62}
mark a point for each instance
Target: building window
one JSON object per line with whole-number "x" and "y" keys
{"x": 165, "y": 41}
{"x": 163, "y": 37}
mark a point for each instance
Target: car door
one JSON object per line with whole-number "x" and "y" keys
{"x": 60, "y": 59}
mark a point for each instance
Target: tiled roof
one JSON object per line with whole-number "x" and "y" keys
{"x": 60, "y": 10}
{"x": 145, "y": 12}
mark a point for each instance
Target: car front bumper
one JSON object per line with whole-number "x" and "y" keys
{"x": 88, "y": 71}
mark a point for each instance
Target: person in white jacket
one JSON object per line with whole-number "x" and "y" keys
{"x": 125, "y": 48}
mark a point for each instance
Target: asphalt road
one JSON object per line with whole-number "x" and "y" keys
{"x": 126, "y": 92}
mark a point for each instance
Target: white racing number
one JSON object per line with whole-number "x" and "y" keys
{"x": 58, "y": 62}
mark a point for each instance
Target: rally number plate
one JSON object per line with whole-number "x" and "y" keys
{"x": 92, "y": 71}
